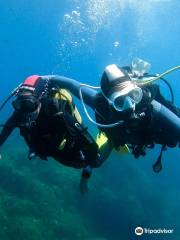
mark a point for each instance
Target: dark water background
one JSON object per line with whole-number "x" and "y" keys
{"x": 40, "y": 200}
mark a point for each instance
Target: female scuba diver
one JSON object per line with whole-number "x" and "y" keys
{"x": 129, "y": 108}
{"x": 51, "y": 126}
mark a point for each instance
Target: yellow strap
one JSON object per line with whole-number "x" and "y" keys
{"x": 62, "y": 144}
{"x": 77, "y": 115}
{"x": 65, "y": 95}
{"x": 141, "y": 82}
{"x": 101, "y": 139}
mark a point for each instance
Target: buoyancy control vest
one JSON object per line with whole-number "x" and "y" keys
{"x": 51, "y": 130}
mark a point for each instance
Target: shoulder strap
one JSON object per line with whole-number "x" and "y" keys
{"x": 63, "y": 94}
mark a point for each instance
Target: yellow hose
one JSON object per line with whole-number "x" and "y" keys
{"x": 142, "y": 82}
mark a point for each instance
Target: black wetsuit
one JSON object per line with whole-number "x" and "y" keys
{"x": 52, "y": 126}
{"x": 139, "y": 127}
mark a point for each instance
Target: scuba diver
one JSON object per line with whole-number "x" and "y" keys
{"x": 51, "y": 126}
{"x": 129, "y": 108}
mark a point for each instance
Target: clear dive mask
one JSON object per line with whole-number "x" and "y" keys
{"x": 124, "y": 102}
{"x": 119, "y": 102}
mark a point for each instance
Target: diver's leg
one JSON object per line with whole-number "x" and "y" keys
{"x": 83, "y": 185}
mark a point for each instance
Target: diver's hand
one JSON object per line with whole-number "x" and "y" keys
{"x": 0, "y": 156}
{"x": 83, "y": 185}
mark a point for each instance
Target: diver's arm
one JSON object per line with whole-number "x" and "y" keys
{"x": 73, "y": 86}
{"x": 7, "y": 129}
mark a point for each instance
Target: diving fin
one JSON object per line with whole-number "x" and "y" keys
{"x": 157, "y": 167}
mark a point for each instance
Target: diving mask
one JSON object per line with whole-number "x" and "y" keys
{"x": 28, "y": 107}
{"x": 124, "y": 102}
{"x": 25, "y": 103}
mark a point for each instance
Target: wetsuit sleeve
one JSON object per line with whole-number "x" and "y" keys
{"x": 166, "y": 103}
{"x": 73, "y": 86}
{"x": 8, "y": 128}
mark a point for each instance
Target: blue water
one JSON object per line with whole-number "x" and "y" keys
{"x": 78, "y": 39}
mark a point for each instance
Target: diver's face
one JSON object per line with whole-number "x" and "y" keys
{"x": 25, "y": 103}
{"x": 126, "y": 102}
{"x": 28, "y": 107}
